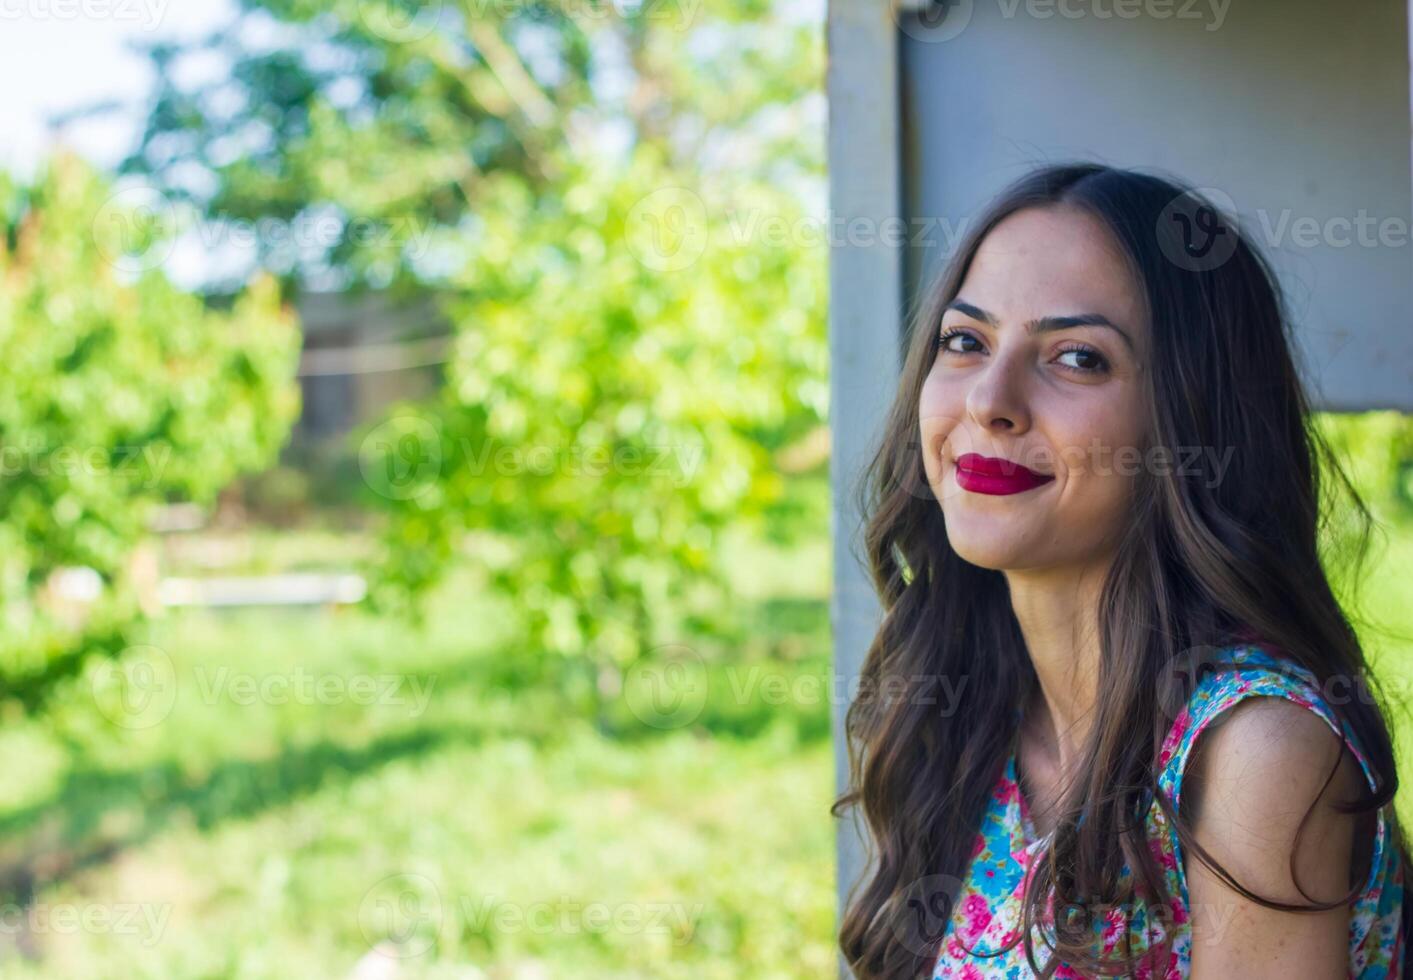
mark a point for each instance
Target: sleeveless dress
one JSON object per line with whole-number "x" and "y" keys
{"x": 987, "y": 913}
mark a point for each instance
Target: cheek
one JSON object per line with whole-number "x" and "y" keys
{"x": 1099, "y": 442}
{"x": 937, "y": 418}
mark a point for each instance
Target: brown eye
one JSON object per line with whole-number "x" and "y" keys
{"x": 1090, "y": 360}
{"x": 944, "y": 341}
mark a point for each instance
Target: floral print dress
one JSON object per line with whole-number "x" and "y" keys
{"x": 987, "y": 914}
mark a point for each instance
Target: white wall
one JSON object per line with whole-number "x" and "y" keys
{"x": 1296, "y": 110}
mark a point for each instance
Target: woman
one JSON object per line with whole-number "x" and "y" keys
{"x": 1114, "y": 721}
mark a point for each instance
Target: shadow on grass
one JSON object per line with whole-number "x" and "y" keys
{"x": 96, "y": 814}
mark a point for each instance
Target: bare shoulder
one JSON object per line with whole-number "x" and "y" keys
{"x": 1254, "y": 776}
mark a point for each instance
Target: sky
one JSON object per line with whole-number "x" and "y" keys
{"x": 62, "y": 54}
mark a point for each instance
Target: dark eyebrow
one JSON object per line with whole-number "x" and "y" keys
{"x": 1044, "y": 323}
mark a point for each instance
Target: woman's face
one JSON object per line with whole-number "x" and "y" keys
{"x": 1065, "y": 399}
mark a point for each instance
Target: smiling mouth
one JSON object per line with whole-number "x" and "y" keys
{"x": 996, "y": 477}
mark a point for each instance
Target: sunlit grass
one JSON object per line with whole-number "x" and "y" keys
{"x": 259, "y": 828}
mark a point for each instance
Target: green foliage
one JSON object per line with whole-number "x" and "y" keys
{"x": 117, "y": 392}
{"x": 1376, "y": 448}
{"x": 388, "y": 118}
{"x": 656, "y": 298}
{"x": 612, "y": 406}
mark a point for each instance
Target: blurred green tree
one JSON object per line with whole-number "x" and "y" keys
{"x": 613, "y": 203}
{"x": 622, "y": 384}
{"x": 118, "y": 392}
{"x": 359, "y": 134}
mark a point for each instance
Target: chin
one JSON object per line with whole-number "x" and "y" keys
{"x": 997, "y": 561}
{"x": 995, "y": 541}
{"x": 997, "y": 552}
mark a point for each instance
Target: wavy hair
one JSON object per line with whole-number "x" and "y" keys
{"x": 1205, "y": 561}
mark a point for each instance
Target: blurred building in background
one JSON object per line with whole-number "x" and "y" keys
{"x": 362, "y": 353}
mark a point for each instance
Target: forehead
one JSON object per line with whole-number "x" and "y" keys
{"x": 1053, "y": 260}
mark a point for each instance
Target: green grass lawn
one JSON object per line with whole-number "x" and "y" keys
{"x": 250, "y": 825}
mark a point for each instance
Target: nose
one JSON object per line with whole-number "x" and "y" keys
{"x": 996, "y": 400}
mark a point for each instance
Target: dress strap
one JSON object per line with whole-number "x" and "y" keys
{"x": 1246, "y": 672}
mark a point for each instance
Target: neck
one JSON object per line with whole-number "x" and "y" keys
{"x": 1058, "y": 615}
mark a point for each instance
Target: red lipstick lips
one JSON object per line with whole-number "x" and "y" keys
{"x": 998, "y": 477}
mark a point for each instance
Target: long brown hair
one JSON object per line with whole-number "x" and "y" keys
{"x": 1207, "y": 560}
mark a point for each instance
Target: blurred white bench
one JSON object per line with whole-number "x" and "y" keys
{"x": 291, "y": 589}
